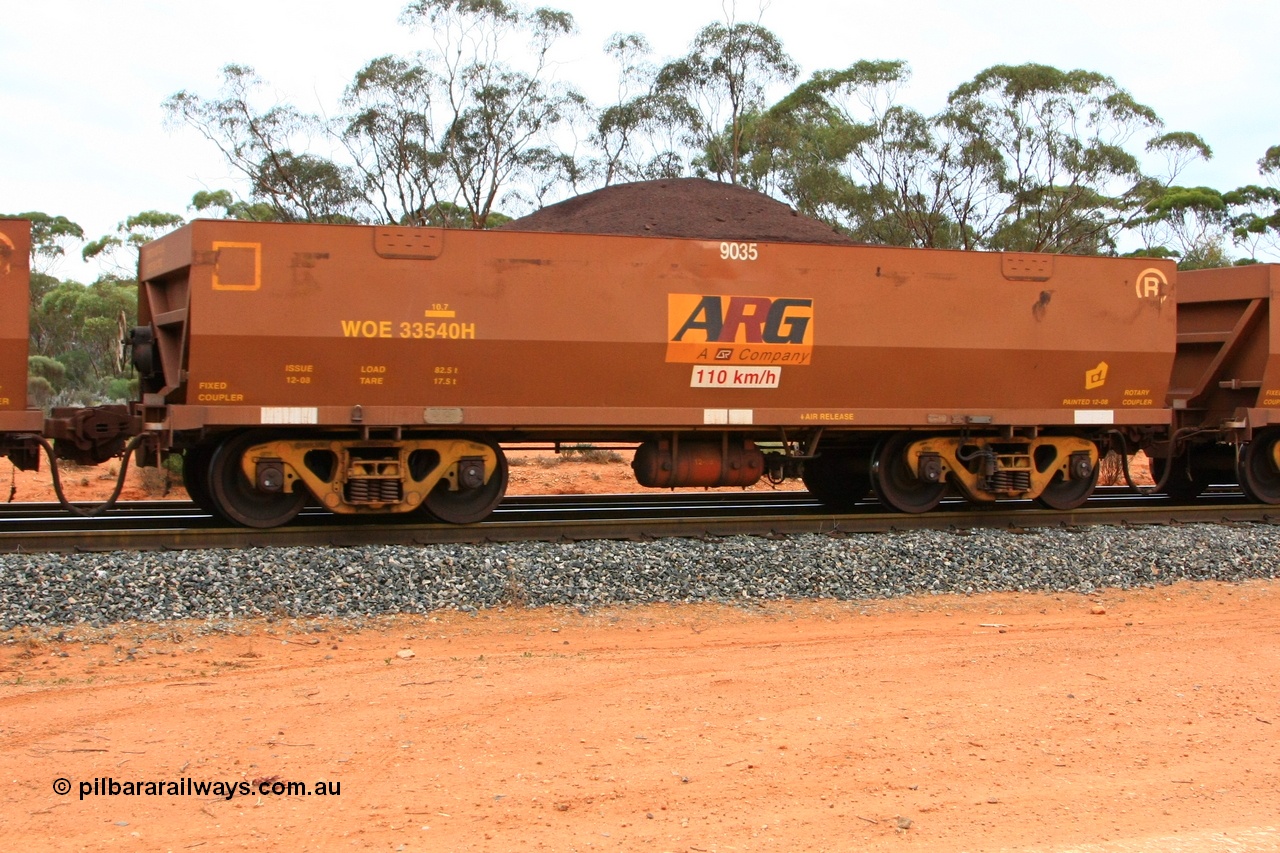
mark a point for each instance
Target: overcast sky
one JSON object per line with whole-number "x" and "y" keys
{"x": 82, "y": 81}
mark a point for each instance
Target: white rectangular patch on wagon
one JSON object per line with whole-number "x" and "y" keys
{"x": 728, "y": 417}
{"x": 290, "y": 415}
{"x": 1095, "y": 416}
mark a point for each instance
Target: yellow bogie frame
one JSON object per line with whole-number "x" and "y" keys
{"x": 1018, "y": 467}
{"x": 367, "y": 476}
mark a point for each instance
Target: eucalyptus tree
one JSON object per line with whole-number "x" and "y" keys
{"x": 637, "y": 136}
{"x": 50, "y": 235}
{"x": 390, "y": 132}
{"x": 1024, "y": 158}
{"x": 1051, "y": 158}
{"x": 1255, "y": 209}
{"x": 1188, "y": 224}
{"x": 222, "y": 204}
{"x": 118, "y": 251}
{"x": 461, "y": 125}
{"x": 843, "y": 150}
{"x": 80, "y": 327}
{"x": 271, "y": 148}
{"x": 725, "y": 76}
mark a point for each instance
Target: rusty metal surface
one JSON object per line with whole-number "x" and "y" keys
{"x": 27, "y": 420}
{"x": 1228, "y": 358}
{"x": 15, "y": 295}
{"x": 300, "y": 325}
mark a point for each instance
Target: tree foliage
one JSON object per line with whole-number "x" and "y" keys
{"x": 221, "y": 204}
{"x": 261, "y": 145}
{"x": 637, "y": 136}
{"x": 1057, "y": 174}
{"x": 49, "y": 236}
{"x": 75, "y": 330}
{"x": 420, "y": 139}
{"x": 1023, "y": 158}
{"x": 76, "y": 336}
{"x": 487, "y": 127}
{"x": 1255, "y": 209}
{"x": 844, "y": 151}
{"x": 391, "y": 133}
{"x": 724, "y": 77}
{"x": 119, "y": 250}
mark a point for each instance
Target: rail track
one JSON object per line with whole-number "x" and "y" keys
{"x": 180, "y": 525}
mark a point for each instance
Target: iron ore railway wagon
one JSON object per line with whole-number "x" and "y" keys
{"x": 374, "y": 370}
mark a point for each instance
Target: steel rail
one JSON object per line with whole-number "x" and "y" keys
{"x": 578, "y": 517}
{"x": 17, "y": 511}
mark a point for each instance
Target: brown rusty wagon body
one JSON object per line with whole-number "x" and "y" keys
{"x": 378, "y": 369}
{"x": 15, "y": 296}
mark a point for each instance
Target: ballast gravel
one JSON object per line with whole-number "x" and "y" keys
{"x": 99, "y": 589}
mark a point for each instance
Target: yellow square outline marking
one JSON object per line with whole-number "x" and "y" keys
{"x": 257, "y": 266}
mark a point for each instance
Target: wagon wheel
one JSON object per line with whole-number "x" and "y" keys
{"x": 838, "y": 478}
{"x": 195, "y": 476}
{"x": 1257, "y": 471}
{"x": 238, "y": 500}
{"x": 1064, "y": 494}
{"x": 467, "y": 506}
{"x": 897, "y": 485}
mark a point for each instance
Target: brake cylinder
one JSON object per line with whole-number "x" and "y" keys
{"x": 697, "y": 462}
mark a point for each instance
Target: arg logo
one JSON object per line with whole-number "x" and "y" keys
{"x": 739, "y": 329}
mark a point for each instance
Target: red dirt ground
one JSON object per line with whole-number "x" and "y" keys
{"x": 1125, "y": 721}
{"x": 1141, "y": 720}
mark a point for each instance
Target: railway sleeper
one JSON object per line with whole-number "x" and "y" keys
{"x": 987, "y": 468}
{"x": 376, "y": 476}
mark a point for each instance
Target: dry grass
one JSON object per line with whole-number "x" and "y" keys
{"x": 572, "y": 454}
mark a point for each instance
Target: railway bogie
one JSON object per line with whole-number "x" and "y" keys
{"x": 260, "y": 479}
{"x": 1059, "y": 470}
